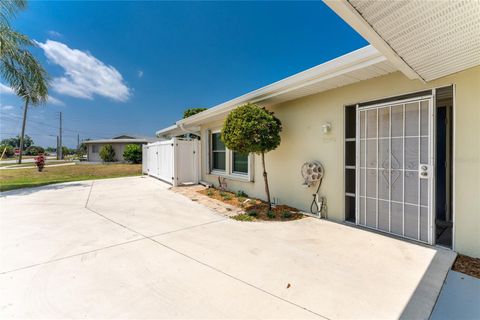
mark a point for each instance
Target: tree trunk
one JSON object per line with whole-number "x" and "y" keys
{"x": 23, "y": 130}
{"x": 267, "y": 190}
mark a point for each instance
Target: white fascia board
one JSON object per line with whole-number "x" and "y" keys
{"x": 354, "y": 60}
{"x": 351, "y": 16}
{"x": 166, "y": 130}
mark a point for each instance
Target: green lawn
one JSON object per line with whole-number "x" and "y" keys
{"x": 24, "y": 178}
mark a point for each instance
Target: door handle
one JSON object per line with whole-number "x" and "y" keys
{"x": 424, "y": 171}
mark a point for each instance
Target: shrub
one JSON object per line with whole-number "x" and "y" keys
{"x": 243, "y": 217}
{"x": 107, "y": 153}
{"x": 270, "y": 214}
{"x": 9, "y": 151}
{"x": 252, "y": 213}
{"x": 34, "y": 151}
{"x": 210, "y": 192}
{"x": 133, "y": 153}
{"x": 227, "y": 197}
{"x": 241, "y": 194}
{"x": 286, "y": 214}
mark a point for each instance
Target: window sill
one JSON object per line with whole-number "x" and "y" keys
{"x": 231, "y": 176}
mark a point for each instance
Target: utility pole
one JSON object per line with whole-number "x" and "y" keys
{"x": 60, "y": 149}
{"x": 78, "y": 141}
{"x": 58, "y": 143}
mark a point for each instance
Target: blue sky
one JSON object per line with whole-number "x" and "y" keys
{"x": 133, "y": 67}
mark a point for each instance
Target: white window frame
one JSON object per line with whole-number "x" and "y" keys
{"x": 228, "y": 172}
{"x": 93, "y": 148}
{"x": 210, "y": 153}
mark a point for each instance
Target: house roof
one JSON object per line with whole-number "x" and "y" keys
{"x": 361, "y": 64}
{"x": 122, "y": 139}
{"x": 423, "y": 39}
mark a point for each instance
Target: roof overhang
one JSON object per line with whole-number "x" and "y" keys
{"x": 425, "y": 40}
{"x": 362, "y": 64}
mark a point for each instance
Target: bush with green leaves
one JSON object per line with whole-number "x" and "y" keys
{"x": 242, "y": 194}
{"x": 34, "y": 151}
{"x": 271, "y": 214}
{"x": 9, "y": 151}
{"x": 107, "y": 154}
{"x": 133, "y": 153}
{"x": 252, "y": 129}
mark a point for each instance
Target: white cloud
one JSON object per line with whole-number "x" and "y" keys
{"x": 6, "y": 89}
{"x": 54, "y": 34}
{"x": 140, "y": 73}
{"x": 55, "y": 101}
{"x": 7, "y": 108}
{"x": 85, "y": 75}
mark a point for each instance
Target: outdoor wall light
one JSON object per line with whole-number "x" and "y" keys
{"x": 327, "y": 127}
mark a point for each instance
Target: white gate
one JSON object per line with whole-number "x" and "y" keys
{"x": 174, "y": 161}
{"x": 395, "y": 168}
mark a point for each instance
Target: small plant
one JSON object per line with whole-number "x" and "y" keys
{"x": 210, "y": 192}
{"x": 242, "y": 194}
{"x": 243, "y": 217}
{"x": 286, "y": 214}
{"x": 270, "y": 214}
{"x": 252, "y": 213}
{"x": 133, "y": 153}
{"x": 40, "y": 162}
{"x": 223, "y": 194}
{"x": 227, "y": 197}
{"x": 107, "y": 153}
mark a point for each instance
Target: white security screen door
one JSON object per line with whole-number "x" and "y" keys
{"x": 394, "y": 176}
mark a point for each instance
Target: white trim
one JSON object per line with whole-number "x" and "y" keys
{"x": 454, "y": 126}
{"x": 351, "y": 16}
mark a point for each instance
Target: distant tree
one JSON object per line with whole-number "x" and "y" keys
{"x": 7, "y": 151}
{"x": 18, "y": 67}
{"x": 107, "y": 153}
{"x": 192, "y": 111}
{"x": 15, "y": 142}
{"x": 34, "y": 151}
{"x": 250, "y": 128}
{"x": 133, "y": 153}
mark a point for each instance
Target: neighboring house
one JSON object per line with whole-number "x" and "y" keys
{"x": 395, "y": 124}
{"x": 118, "y": 143}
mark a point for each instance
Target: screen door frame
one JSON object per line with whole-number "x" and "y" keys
{"x": 430, "y": 97}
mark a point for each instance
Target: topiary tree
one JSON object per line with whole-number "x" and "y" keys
{"x": 107, "y": 153}
{"x": 250, "y": 128}
{"x": 133, "y": 153}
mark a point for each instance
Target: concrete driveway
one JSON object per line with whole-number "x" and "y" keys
{"x": 131, "y": 248}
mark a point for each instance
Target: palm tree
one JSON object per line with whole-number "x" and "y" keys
{"x": 22, "y": 71}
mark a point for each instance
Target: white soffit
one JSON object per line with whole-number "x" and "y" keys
{"x": 362, "y": 64}
{"x": 432, "y": 38}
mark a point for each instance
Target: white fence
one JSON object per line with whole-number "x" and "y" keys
{"x": 175, "y": 161}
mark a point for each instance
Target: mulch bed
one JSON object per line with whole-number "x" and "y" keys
{"x": 255, "y": 209}
{"x": 467, "y": 265}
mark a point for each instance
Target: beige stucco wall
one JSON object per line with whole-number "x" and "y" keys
{"x": 303, "y": 140}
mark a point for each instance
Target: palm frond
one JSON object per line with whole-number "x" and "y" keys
{"x": 9, "y": 9}
{"x": 22, "y": 71}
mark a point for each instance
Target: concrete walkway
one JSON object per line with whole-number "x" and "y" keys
{"x": 131, "y": 248}
{"x": 459, "y": 298}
